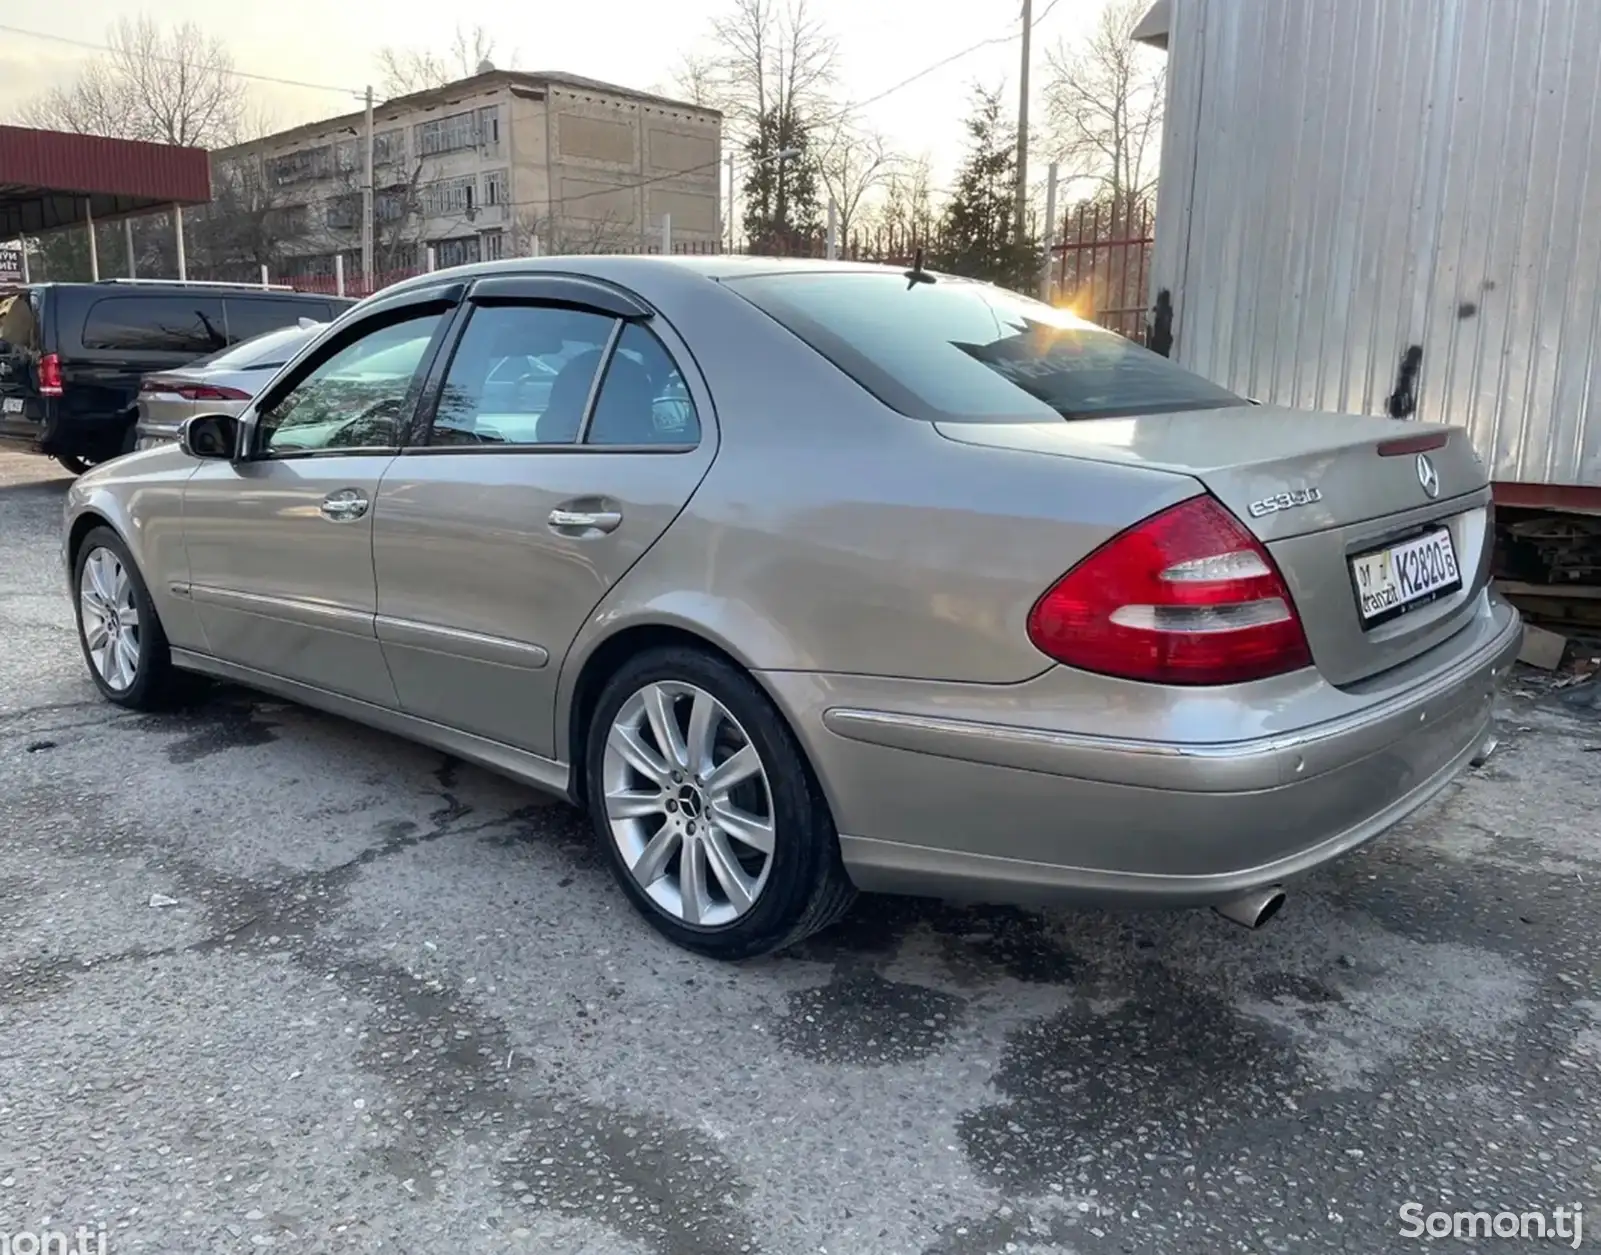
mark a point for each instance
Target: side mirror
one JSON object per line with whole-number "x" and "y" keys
{"x": 211, "y": 436}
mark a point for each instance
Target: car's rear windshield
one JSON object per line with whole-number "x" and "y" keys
{"x": 958, "y": 350}
{"x": 260, "y": 352}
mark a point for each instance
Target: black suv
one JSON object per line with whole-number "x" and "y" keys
{"x": 72, "y": 354}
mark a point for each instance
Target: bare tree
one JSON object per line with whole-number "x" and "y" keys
{"x": 404, "y": 70}
{"x": 1104, "y": 103}
{"x": 851, "y": 164}
{"x": 167, "y": 86}
{"x": 776, "y": 60}
{"x": 697, "y": 79}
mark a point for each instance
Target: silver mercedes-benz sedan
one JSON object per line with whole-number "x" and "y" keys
{"x": 806, "y": 578}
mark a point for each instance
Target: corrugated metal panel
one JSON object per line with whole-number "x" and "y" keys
{"x": 1347, "y": 180}
{"x": 92, "y": 165}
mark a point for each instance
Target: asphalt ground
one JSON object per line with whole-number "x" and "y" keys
{"x": 269, "y": 979}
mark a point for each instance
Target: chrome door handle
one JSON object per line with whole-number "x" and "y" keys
{"x": 586, "y": 520}
{"x": 344, "y": 506}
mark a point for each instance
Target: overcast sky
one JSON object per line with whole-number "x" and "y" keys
{"x": 631, "y": 42}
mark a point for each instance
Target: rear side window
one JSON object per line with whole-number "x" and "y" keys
{"x": 180, "y": 324}
{"x": 954, "y": 349}
{"x": 249, "y": 317}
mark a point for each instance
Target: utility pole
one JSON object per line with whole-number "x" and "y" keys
{"x": 1022, "y": 127}
{"x": 368, "y": 230}
{"x": 729, "y": 162}
{"x": 1047, "y": 272}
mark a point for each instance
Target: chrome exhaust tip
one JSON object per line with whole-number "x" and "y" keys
{"x": 1486, "y": 748}
{"x": 1255, "y": 908}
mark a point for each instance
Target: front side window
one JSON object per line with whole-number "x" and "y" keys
{"x": 357, "y": 399}
{"x": 954, "y": 349}
{"x": 643, "y": 399}
{"x": 183, "y": 324}
{"x": 521, "y": 375}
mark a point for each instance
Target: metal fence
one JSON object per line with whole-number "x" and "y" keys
{"x": 1101, "y": 265}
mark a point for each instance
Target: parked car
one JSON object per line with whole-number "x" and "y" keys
{"x": 810, "y": 577}
{"x": 219, "y": 383}
{"x": 72, "y": 354}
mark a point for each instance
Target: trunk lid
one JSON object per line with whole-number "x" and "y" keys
{"x": 1340, "y": 501}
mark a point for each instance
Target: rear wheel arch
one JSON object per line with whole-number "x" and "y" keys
{"x": 603, "y": 662}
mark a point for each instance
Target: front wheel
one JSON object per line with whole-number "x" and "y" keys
{"x": 76, "y": 466}
{"x": 707, "y": 809}
{"x": 121, "y": 637}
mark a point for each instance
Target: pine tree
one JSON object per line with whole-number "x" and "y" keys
{"x": 781, "y": 209}
{"x": 979, "y": 237}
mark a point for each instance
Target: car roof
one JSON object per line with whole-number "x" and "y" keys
{"x": 627, "y": 269}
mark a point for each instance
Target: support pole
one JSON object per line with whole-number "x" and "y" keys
{"x": 368, "y": 227}
{"x": 833, "y": 230}
{"x": 127, "y": 243}
{"x": 94, "y": 251}
{"x": 339, "y": 274}
{"x": 667, "y": 235}
{"x": 177, "y": 226}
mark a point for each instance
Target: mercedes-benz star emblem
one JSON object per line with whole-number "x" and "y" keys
{"x": 1428, "y": 476}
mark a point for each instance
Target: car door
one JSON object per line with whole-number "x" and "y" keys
{"x": 497, "y": 535}
{"x": 279, "y": 540}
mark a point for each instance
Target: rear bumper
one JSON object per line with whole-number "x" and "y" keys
{"x": 932, "y": 803}
{"x": 45, "y": 427}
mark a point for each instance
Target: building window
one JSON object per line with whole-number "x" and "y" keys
{"x": 456, "y": 252}
{"x": 297, "y": 167}
{"x": 389, "y": 147}
{"x": 392, "y": 204}
{"x": 448, "y": 196}
{"x": 493, "y": 245}
{"x": 343, "y": 213}
{"x": 495, "y": 187}
{"x": 447, "y": 134}
{"x": 489, "y": 128}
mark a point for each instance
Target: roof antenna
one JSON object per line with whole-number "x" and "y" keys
{"x": 917, "y": 274}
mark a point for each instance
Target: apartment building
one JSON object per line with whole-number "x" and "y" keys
{"x": 496, "y": 165}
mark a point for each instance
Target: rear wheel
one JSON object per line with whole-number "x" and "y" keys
{"x": 707, "y": 809}
{"x": 121, "y": 637}
{"x": 76, "y": 465}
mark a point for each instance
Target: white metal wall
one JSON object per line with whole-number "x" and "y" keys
{"x": 1343, "y": 180}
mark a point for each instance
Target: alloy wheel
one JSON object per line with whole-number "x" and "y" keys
{"x": 688, "y": 803}
{"x": 110, "y": 618}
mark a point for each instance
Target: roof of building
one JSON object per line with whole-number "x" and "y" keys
{"x": 50, "y": 179}
{"x": 461, "y": 88}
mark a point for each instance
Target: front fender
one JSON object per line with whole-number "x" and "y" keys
{"x": 140, "y": 497}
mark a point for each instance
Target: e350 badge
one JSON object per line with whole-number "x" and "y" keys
{"x": 1285, "y": 501}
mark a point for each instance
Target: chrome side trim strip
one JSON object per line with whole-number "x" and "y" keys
{"x": 410, "y": 634}
{"x": 315, "y": 614}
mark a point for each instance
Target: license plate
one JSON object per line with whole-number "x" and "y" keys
{"x": 1404, "y": 576}
{"x": 11, "y": 405}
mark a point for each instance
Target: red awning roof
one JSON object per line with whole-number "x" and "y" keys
{"x": 46, "y": 178}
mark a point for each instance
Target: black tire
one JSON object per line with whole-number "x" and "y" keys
{"x": 156, "y": 685}
{"x": 807, "y": 888}
{"x": 76, "y": 466}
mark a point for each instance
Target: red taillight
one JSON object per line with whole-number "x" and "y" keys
{"x": 1186, "y": 597}
{"x": 193, "y": 391}
{"x": 49, "y": 375}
